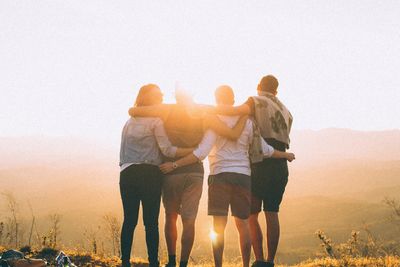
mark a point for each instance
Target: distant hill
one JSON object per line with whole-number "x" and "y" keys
{"x": 337, "y": 183}
{"x": 329, "y": 145}
{"x": 55, "y": 151}
{"x": 311, "y": 147}
{"x": 330, "y": 161}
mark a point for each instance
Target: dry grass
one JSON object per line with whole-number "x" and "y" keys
{"x": 83, "y": 259}
{"x": 388, "y": 261}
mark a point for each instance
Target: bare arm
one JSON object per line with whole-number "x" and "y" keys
{"x": 214, "y": 123}
{"x": 165, "y": 145}
{"x": 200, "y": 110}
{"x": 199, "y": 153}
{"x": 162, "y": 140}
{"x": 283, "y": 155}
{"x": 243, "y": 109}
{"x": 181, "y": 152}
{"x": 270, "y": 152}
{"x": 160, "y": 111}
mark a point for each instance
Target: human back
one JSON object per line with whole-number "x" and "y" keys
{"x": 139, "y": 144}
{"x": 184, "y": 129}
{"x": 229, "y": 155}
{"x": 144, "y": 139}
{"x": 272, "y": 117}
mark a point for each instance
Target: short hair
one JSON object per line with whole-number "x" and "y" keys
{"x": 224, "y": 94}
{"x": 142, "y": 98}
{"x": 269, "y": 84}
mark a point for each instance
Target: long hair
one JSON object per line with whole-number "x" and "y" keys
{"x": 142, "y": 98}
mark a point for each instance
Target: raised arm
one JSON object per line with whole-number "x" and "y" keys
{"x": 243, "y": 109}
{"x": 160, "y": 111}
{"x": 199, "y": 153}
{"x": 214, "y": 123}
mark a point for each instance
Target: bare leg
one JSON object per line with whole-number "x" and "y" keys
{"x": 218, "y": 243}
{"x": 245, "y": 241}
{"x": 273, "y": 232}
{"x": 187, "y": 238}
{"x": 171, "y": 233}
{"x": 256, "y": 237}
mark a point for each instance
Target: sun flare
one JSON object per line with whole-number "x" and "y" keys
{"x": 213, "y": 235}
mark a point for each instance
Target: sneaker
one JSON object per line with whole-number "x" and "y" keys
{"x": 258, "y": 264}
{"x": 262, "y": 264}
{"x": 154, "y": 264}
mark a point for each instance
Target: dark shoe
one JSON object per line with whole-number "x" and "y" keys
{"x": 126, "y": 264}
{"x": 262, "y": 264}
{"x": 257, "y": 264}
{"x": 154, "y": 264}
{"x": 170, "y": 264}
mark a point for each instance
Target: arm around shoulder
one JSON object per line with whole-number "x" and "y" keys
{"x": 150, "y": 111}
{"x": 214, "y": 123}
{"x": 243, "y": 109}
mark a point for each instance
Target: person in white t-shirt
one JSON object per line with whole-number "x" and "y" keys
{"x": 229, "y": 180}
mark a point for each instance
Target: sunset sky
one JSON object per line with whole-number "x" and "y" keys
{"x": 74, "y": 67}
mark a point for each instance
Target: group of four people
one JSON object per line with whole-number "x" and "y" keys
{"x": 162, "y": 149}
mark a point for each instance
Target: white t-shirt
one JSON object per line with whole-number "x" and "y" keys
{"x": 225, "y": 155}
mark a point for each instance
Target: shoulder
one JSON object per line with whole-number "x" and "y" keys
{"x": 151, "y": 122}
{"x": 156, "y": 121}
{"x": 130, "y": 121}
{"x": 250, "y": 102}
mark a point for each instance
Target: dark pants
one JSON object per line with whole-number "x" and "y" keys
{"x": 140, "y": 183}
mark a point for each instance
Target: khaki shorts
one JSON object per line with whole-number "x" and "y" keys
{"x": 181, "y": 194}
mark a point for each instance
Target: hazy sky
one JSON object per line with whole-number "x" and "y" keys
{"x": 74, "y": 67}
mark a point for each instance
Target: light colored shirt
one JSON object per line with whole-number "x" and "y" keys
{"x": 144, "y": 141}
{"x": 229, "y": 156}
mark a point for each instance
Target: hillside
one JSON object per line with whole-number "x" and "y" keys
{"x": 329, "y": 188}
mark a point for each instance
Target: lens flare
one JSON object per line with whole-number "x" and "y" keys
{"x": 213, "y": 235}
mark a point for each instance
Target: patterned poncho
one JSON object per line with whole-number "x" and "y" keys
{"x": 273, "y": 118}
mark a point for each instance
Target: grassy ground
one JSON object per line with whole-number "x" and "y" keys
{"x": 91, "y": 260}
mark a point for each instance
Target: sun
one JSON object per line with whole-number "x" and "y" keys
{"x": 213, "y": 235}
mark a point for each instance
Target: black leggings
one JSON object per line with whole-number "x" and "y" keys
{"x": 140, "y": 183}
